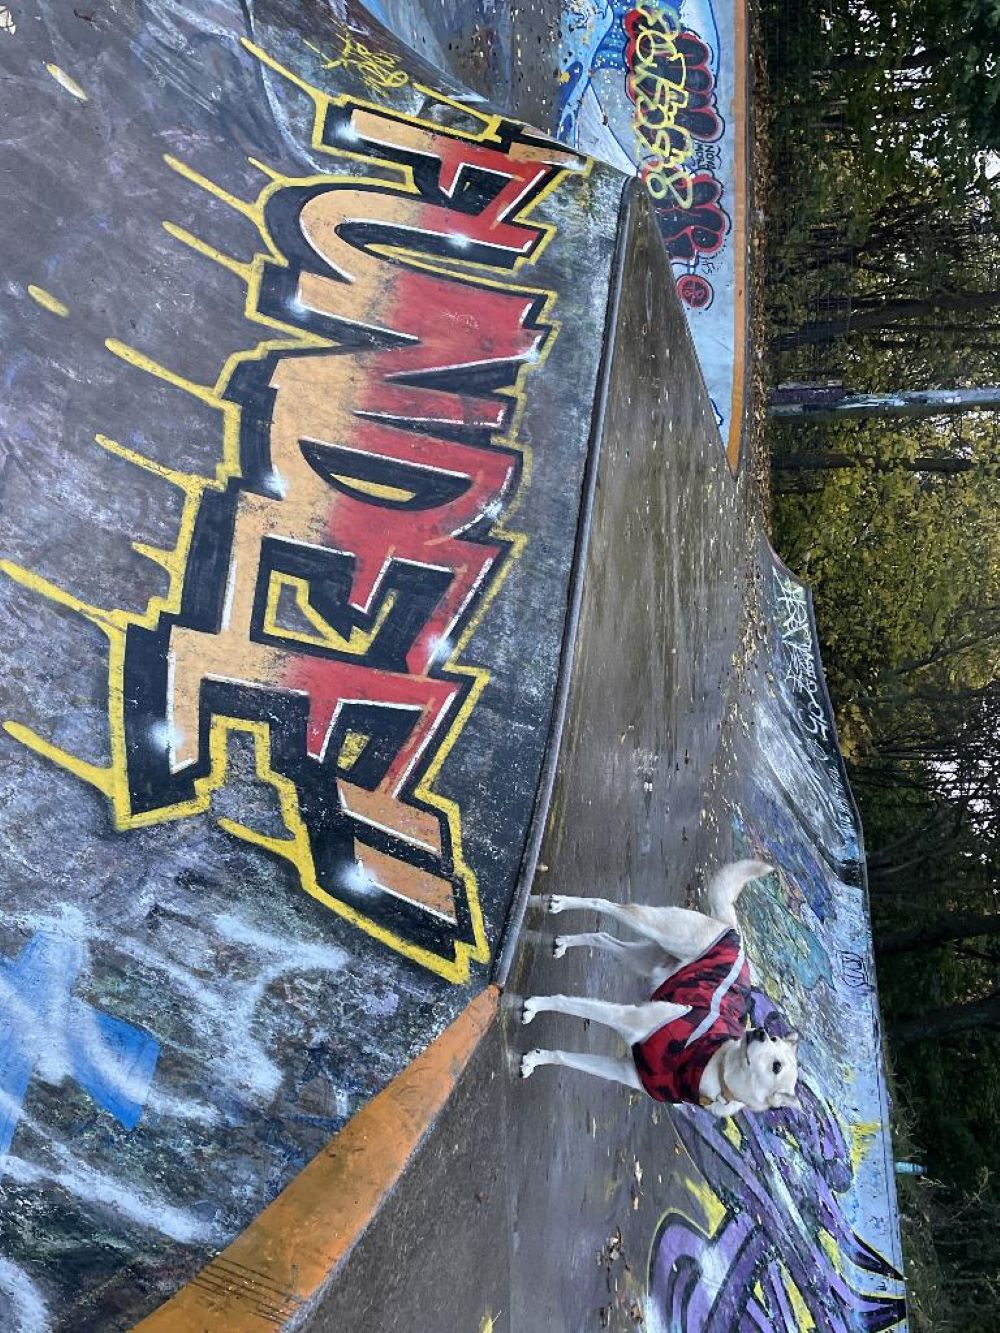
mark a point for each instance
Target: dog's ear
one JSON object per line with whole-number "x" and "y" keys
{"x": 793, "y": 1038}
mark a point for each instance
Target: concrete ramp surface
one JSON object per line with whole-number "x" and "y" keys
{"x": 369, "y": 557}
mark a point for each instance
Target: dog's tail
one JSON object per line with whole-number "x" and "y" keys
{"x": 728, "y": 883}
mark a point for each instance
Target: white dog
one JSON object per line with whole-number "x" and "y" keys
{"x": 690, "y": 1042}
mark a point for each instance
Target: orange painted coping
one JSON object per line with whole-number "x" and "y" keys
{"x": 298, "y": 1242}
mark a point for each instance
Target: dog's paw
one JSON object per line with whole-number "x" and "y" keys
{"x": 556, "y": 903}
{"x": 530, "y": 1062}
{"x": 559, "y": 947}
{"x": 528, "y": 1010}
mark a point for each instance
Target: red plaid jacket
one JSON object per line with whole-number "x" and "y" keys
{"x": 716, "y": 987}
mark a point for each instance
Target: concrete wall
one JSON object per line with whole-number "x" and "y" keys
{"x": 292, "y": 437}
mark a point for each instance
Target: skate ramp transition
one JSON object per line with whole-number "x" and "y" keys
{"x": 306, "y": 355}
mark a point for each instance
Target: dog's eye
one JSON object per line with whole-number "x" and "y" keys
{"x": 776, "y": 1067}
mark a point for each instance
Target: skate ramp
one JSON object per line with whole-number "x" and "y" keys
{"x": 696, "y": 729}
{"x": 367, "y": 545}
{"x": 659, "y": 89}
{"x": 286, "y": 542}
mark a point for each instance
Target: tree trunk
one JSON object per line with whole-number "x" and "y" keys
{"x": 905, "y": 403}
{"x": 888, "y": 62}
{"x": 951, "y": 926}
{"x": 823, "y": 460}
{"x": 948, "y": 1022}
{"x": 875, "y": 312}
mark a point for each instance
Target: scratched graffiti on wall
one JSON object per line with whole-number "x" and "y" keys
{"x": 326, "y": 582}
{"x": 648, "y": 87}
{"x": 787, "y": 1221}
{"x": 46, "y": 1033}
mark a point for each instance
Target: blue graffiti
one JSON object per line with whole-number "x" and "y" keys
{"x": 581, "y": 48}
{"x": 45, "y": 1032}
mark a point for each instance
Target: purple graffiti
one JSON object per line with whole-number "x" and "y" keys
{"x": 780, "y": 1194}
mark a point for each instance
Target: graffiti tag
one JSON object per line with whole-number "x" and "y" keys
{"x": 325, "y": 584}
{"x": 671, "y": 85}
{"x": 670, "y": 82}
{"x": 378, "y": 69}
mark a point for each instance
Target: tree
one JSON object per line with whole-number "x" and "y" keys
{"x": 950, "y": 1021}
{"x": 794, "y": 403}
{"x": 946, "y": 929}
{"x": 883, "y": 273}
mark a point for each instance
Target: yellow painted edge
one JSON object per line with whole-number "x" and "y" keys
{"x": 296, "y": 1244}
{"x": 740, "y": 121}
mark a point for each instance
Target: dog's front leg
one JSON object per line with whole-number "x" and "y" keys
{"x": 633, "y": 1022}
{"x": 600, "y": 1066}
{"x": 722, "y": 1109}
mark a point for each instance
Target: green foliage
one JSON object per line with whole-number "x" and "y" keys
{"x": 904, "y": 565}
{"x": 883, "y": 261}
{"x": 904, "y": 569}
{"x": 942, "y": 1295}
{"x": 882, "y": 272}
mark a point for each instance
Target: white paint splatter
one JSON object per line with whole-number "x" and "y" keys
{"x": 289, "y": 956}
{"x": 442, "y": 648}
{"x": 96, "y": 1187}
{"x": 242, "y": 1062}
{"x": 293, "y": 953}
{"x": 92, "y": 1186}
{"x": 182, "y": 1108}
{"x": 26, "y": 1304}
{"x": 358, "y": 880}
{"x": 161, "y": 735}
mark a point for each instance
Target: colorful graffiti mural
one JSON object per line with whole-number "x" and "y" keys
{"x": 787, "y": 1221}
{"x": 325, "y": 582}
{"x": 48, "y": 1034}
{"x": 764, "y": 1243}
{"x": 270, "y": 748}
{"x": 295, "y": 424}
{"x": 653, "y": 87}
